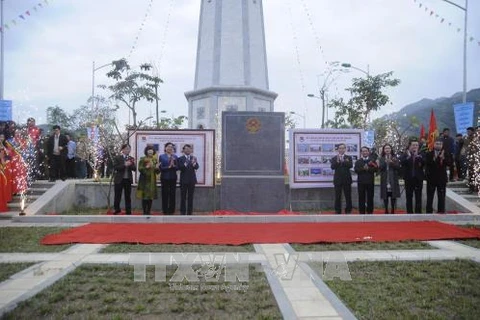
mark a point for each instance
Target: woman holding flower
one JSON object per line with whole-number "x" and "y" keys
{"x": 147, "y": 183}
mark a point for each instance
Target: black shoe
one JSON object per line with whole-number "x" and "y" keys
{"x": 117, "y": 212}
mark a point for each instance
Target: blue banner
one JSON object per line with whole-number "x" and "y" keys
{"x": 368, "y": 138}
{"x": 463, "y": 116}
{"x": 5, "y": 110}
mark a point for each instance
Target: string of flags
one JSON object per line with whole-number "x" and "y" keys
{"x": 315, "y": 33}
{"x": 24, "y": 15}
{"x": 442, "y": 20}
{"x": 140, "y": 29}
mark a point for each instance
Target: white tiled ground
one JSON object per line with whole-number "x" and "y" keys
{"x": 303, "y": 295}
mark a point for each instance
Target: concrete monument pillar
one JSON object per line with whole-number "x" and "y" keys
{"x": 231, "y": 71}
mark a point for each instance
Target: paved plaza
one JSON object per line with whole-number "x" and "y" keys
{"x": 300, "y": 292}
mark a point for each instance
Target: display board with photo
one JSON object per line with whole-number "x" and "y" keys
{"x": 201, "y": 141}
{"x": 312, "y": 150}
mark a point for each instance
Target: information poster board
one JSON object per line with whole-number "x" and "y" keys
{"x": 5, "y": 110}
{"x": 463, "y": 116}
{"x": 202, "y": 142}
{"x": 311, "y": 151}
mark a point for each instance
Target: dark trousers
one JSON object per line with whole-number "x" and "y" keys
{"x": 147, "y": 206}
{"x": 451, "y": 167}
{"x": 70, "y": 166}
{"x": 168, "y": 195}
{"x": 347, "y": 190}
{"x": 393, "y": 202}
{"x": 414, "y": 186}
{"x": 441, "y": 190}
{"x": 186, "y": 200}
{"x": 459, "y": 163}
{"x": 365, "y": 197}
{"x": 126, "y": 187}
{"x": 57, "y": 167}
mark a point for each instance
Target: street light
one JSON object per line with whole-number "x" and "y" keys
{"x": 321, "y": 97}
{"x": 303, "y": 117}
{"x": 348, "y": 65}
{"x": 330, "y": 78}
{"x": 93, "y": 81}
{"x": 2, "y": 50}
{"x": 465, "y": 9}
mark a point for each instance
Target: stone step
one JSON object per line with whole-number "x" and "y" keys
{"x": 460, "y": 190}
{"x": 15, "y": 205}
{"x": 29, "y": 198}
{"x": 37, "y": 190}
{"x": 472, "y": 196}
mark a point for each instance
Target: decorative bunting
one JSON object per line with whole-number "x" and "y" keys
{"x": 442, "y": 20}
{"x": 147, "y": 13}
{"x": 24, "y": 15}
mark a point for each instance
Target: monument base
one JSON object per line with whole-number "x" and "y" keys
{"x": 253, "y": 194}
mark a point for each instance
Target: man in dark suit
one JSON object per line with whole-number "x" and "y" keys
{"x": 57, "y": 154}
{"x": 412, "y": 163}
{"x": 124, "y": 165}
{"x": 342, "y": 179}
{"x": 436, "y": 163}
{"x": 365, "y": 167}
{"x": 449, "y": 147}
{"x": 187, "y": 164}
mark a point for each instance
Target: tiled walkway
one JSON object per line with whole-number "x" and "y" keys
{"x": 299, "y": 291}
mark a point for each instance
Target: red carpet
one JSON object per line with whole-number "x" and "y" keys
{"x": 236, "y": 213}
{"x": 243, "y": 233}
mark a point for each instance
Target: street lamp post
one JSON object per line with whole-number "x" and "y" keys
{"x": 93, "y": 81}
{"x": 322, "y": 92}
{"x": 303, "y": 117}
{"x": 348, "y": 65}
{"x": 465, "y": 9}
{"x": 2, "y": 50}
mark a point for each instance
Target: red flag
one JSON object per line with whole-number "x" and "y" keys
{"x": 422, "y": 131}
{"x": 432, "y": 131}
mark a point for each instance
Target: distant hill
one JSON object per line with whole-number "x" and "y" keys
{"x": 443, "y": 108}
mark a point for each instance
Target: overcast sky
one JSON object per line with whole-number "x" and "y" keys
{"x": 49, "y": 55}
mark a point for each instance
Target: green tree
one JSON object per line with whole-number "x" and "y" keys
{"x": 131, "y": 87}
{"x": 57, "y": 116}
{"x": 104, "y": 114}
{"x": 366, "y": 96}
{"x": 389, "y": 130}
{"x": 290, "y": 123}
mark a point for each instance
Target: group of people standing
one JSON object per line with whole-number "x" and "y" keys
{"x": 414, "y": 166}
{"x": 150, "y": 166}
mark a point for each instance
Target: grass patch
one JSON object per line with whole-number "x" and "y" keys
{"x": 401, "y": 245}
{"x": 109, "y": 292}
{"x": 475, "y": 243}
{"x": 78, "y": 211}
{"x": 411, "y": 290}
{"x": 9, "y": 269}
{"x": 125, "y": 248}
{"x": 27, "y": 239}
